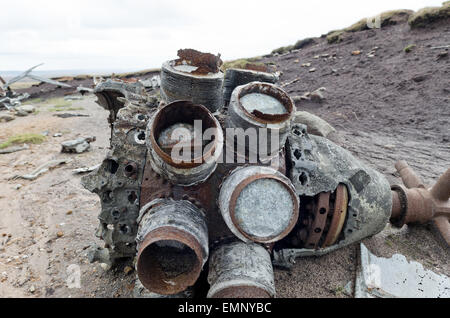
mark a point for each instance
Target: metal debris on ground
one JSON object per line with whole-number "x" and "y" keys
{"x": 14, "y": 149}
{"x": 78, "y": 145}
{"x": 42, "y": 169}
{"x": 68, "y": 115}
{"x": 85, "y": 169}
{"x": 380, "y": 277}
{"x": 10, "y": 99}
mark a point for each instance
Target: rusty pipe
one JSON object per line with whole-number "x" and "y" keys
{"x": 192, "y": 159}
{"x": 413, "y": 203}
{"x": 409, "y": 177}
{"x": 241, "y": 270}
{"x": 172, "y": 244}
{"x": 441, "y": 190}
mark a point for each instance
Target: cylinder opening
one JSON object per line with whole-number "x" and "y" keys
{"x": 265, "y": 103}
{"x": 169, "y": 261}
{"x": 264, "y": 208}
{"x": 182, "y": 115}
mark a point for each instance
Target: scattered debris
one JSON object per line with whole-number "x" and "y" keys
{"x": 78, "y": 145}
{"x": 290, "y": 82}
{"x": 68, "y": 115}
{"x": 357, "y": 52}
{"x": 27, "y": 73}
{"x": 57, "y": 135}
{"x": 72, "y": 97}
{"x": 127, "y": 270}
{"x": 6, "y": 117}
{"x": 306, "y": 65}
{"x": 312, "y": 69}
{"x": 396, "y": 277}
{"x": 42, "y": 169}
{"x": 442, "y": 55}
{"x": 440, "y": 47}
{"x": 85, "y": 169}
{"x": 26, "y": 108}
{"x": 84, "y": 90}
{"x": 60, "y": 234}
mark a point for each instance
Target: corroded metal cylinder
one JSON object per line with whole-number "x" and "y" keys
{"x": 178, "y": 149}
{"x": 258, "y": 204}
{"x": 241, "y": 270}
{"x": 265, "y": 108}
{"x": 179, "y": 83}
{"x": 172, "y": 245}
{"x": 236, "y": 77}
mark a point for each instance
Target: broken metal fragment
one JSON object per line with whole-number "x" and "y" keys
{"x": 78, "y": 145}
{"x": 189, "y": 80}
{"x": 42, "y": 169}
{"x": 395, "y": 277}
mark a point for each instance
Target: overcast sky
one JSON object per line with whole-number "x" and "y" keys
{"x": 119, "y": 35}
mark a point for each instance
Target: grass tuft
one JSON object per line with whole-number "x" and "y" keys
{"x": 22, "y": 139}
{"x": 428, "y": 15}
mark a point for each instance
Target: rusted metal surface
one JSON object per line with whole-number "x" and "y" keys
{"x": 200, "y": 165}
{"x": 414, "y": 203}
{"x": 266, "y": 89}
{"x": 409, "y": 177}
{"x": 172, "y": 245}
{"x": 275, "y": 126}
{"x": 338, "y": 213}
{"x": 322, "y": 219}
{"x": 205, "y": 62}
{"x": 238, "y": 270}
{"x": 316, "y": 227}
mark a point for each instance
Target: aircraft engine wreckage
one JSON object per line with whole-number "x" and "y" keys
{"x": 233, "y": 220}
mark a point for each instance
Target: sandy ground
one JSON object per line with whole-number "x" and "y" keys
{"x": 38, "y": 263}
{"x": 31, "y": 254}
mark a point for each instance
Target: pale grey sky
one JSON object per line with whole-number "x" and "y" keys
{"x": 113, "y": 34}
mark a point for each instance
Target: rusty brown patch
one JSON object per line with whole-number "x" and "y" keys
{"x": 206, "y": 62}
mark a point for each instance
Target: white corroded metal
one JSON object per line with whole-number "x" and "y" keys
{"x": 265, "y": 209}
{"x": 396, "y": 277}
{"x": 239, "y": 264}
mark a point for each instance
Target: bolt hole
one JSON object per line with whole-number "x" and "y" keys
{"x": 349, "y": 230}
{"x": 141, "y": 135}
{"x": 322, "y": 211}
{"x": 141, "y": 117}
{"x": 132, "y": 197}
{"x": 107, "y": 196}
{"x": 112, "y": 166}
{"x": 297, "y": 154}
{"x": 124, "y": 228}
{"x": 303, "y": 178}
{"x": 317, "y": 230}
